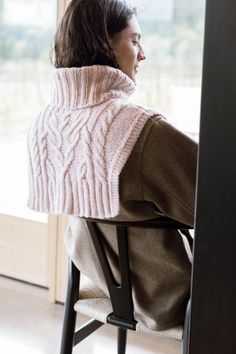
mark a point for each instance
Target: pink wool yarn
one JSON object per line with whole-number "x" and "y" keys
{"x": 79, "y": 143}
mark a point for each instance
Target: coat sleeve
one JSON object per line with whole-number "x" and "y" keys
{"x": 168, "y": 171}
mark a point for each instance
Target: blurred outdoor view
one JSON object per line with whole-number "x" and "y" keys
{"x": 26, "y": 30}
{"x": 169, "y": 81}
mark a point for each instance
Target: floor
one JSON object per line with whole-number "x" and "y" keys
{"x": 29, "y": 324}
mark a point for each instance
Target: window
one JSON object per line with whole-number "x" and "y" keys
{"x": 26, "y": 30}
{"x": 170, "y": 79}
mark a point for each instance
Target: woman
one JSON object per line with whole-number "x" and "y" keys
{"x": 93, "y": 153}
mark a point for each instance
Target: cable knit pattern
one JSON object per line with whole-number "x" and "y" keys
{"x": 79, "y": 143}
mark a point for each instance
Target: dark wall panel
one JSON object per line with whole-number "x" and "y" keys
{"x": 213, "y": 319}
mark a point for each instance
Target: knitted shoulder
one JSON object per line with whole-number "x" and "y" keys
{"x": 36, "y": 121}
{"x": 43, "y": 124}
{"x": 149, "y": 112}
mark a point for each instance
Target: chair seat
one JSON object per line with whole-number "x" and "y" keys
{"x": 95, "y": 304}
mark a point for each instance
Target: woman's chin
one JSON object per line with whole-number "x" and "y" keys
{"x": 133, "y": 76}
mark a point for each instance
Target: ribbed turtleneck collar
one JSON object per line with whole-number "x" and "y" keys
{"x": 89, "y": 85}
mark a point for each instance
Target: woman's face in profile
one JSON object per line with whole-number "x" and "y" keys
{"x": 127, "y": 48}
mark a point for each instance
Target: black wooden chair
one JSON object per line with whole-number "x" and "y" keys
{"x": 118, "y": 310}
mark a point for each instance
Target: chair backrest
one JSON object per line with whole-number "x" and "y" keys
{"x": 121, "y": 293}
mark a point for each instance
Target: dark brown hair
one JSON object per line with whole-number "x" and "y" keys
{"x": 82, "y": 37}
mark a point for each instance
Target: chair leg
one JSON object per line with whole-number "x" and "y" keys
{"x": 69, "y": 322}
{"x": 186, "y": 333}
{"x": 67, "y": 341}
{"x": 122, "y": 336}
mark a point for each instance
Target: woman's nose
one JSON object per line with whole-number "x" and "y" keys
{"x": 141, "y": 54}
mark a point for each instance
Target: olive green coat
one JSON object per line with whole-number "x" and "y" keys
{"x": 158, "y": 178}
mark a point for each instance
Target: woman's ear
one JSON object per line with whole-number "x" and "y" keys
{"x": 113, "y": 46}
{"x": 112, "y": 43}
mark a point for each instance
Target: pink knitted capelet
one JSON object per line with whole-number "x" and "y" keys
{"x": 79, "y": 143}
